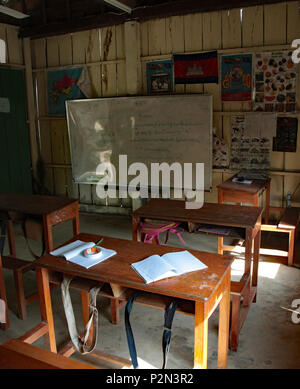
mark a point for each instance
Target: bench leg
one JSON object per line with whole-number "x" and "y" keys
{"x": 235, "y": 322}
{"x": 21, "y": 300}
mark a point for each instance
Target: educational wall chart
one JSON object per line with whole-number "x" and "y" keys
{"x": 275, "y": 82}
{"x": 220, "y": 152}
{"x": 159, "y": 77}
{"x": 247, "y": 152}
{"x": 286, "y": 135}
{"x": 236, "y": 74}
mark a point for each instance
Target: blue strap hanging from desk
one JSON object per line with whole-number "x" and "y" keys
{"x": 166, "y": 340}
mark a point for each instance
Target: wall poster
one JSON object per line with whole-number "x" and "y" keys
{"x": 275, "y": 82}
{"x": 159, "y": 77}
{"x": 247, "y": 153}
{"x": 286, "y": 135}
{"x": 236, "y": 74}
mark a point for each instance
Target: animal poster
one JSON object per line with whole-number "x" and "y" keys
{"x": 246, "y": 152}
{"x": 275, "y": 82}
{"x": 236, "y": 74}
{"x": 63, "y": 85}
{"x": 286, "y": 135}
{"x": 159, "y": 77}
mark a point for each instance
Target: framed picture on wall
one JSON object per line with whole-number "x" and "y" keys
{"x": 159, "y": 77}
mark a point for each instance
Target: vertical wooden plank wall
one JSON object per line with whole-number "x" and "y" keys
{"x": 270, "y": 27}
{"x": 258, "y": 28}
{"x": 102, "y": 51}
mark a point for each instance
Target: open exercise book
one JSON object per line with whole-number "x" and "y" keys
{"x": 157, "y": 267}
{"x": 74, "y": 252}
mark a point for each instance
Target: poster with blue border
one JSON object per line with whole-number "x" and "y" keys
{"x": 159, "y": 77}
{"x": 236, "y": 77}
{"x": 62, "y": 86}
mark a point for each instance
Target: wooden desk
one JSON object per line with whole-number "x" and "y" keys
{"x": 117, "y": 271}
{"x": 235, "y": 192}
{"x": 247, "y": 219}
{"x": 52, "y": 210}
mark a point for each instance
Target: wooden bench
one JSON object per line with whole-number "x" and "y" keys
{"x": 16, "y": 354}
{"x": 288, "y": 223}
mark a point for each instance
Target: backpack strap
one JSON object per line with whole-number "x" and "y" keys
{"x": 166, "y": 340}
{"x": 81, "y": 344}
{"x": 129, "y": 333}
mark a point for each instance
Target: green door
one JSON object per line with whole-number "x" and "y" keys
{"x": 15, "y": 164}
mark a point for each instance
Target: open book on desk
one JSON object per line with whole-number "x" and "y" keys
{"x": 74, "y": 252}
{"x": 157, "y": 267}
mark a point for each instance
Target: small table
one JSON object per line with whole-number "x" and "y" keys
{"x": 247, "y": 220}
{"x": 238, "y": 193}
{"x": 52, "y": 210}
{"x": 117, "y": 271}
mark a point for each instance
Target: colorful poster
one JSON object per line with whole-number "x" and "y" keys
{"x": 196, "y": 68}
{"x": 246, "y": 152}
{"x": 159, "y": 77}
{"x": 64, "y": 85}
{"x": 236, "y": 74}
{"x": 220, "y": 153}
{"x": 275, "y": 82}
{"x": 286, "y": 135}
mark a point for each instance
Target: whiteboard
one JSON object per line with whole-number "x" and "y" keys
{"x": 147, "y": 129}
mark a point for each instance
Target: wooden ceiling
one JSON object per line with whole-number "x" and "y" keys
{"x": 53, "y": 17}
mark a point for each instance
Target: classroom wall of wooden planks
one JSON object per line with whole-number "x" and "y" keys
{"x": 116, "y": 57}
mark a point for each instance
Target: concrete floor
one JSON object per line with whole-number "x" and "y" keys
{"x": 269, "y": 338}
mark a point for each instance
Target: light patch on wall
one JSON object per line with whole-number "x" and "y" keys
{"x": 2, "y": 51}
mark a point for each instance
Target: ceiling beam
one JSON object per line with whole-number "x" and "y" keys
{"x": 182, "y": 7}
{"x": 73, "y": 25}
{"x": 178, "y": 7}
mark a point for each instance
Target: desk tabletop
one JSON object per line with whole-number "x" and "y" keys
{"x": 210, "y": 213}
{"x": 195, "y": 286}
{"x": 33, "y": 204}
{"x": 255, "y": 187}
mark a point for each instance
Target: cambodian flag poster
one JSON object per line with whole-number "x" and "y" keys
{"x": 196, "y": 68}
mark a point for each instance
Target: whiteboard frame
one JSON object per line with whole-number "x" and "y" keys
{"x": 72, "y": 102}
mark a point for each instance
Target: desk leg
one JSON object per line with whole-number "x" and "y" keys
{"x": 267, "y": 208}
{"x": 76, "y": 222}
{"x": 135, "y": 230}
{"x": 257, "y": 241}
{"x": 11, "y": 238}
{"x": 46, "y": 307}
{"x": 47, "y": 234}
{"x": 220, "y": 245}
{"x": 201, "y": 335}
{"x": 5, "y": 325}
{"x": 291, "y": 247}
{"x": 224, "y": 311}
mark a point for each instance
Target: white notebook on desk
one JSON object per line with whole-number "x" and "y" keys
{"x": 157, "y": 267}
{"x": 73, "y": 252}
